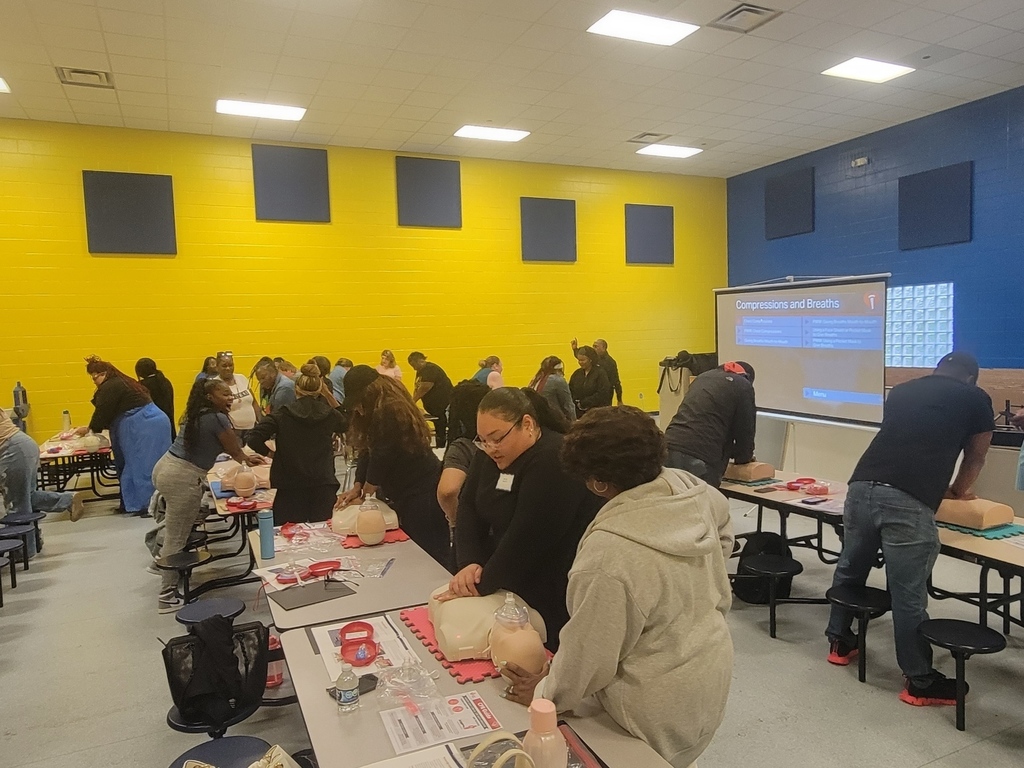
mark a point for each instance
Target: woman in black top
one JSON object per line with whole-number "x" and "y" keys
{"x": 159, "y": 387}
{"x": 140, "y": 432}
{"x": 396, "y": 461}
{"x": 589, "y": 385}
{"x": 521, "y": 516}
{"x": 303, "y": 467}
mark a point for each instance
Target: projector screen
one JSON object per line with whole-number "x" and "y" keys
{"x": 817, "y": 347}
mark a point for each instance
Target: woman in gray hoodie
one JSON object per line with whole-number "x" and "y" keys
{"x": 647, "y": 638}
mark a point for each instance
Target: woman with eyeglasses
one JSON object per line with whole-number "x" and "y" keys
{"x": 140, "y": 432}
{"x": 245, "y": 410}
{"x": 520, "y": 515}
{"x": 395, "y": 461}
{"x": 550, "y": 383}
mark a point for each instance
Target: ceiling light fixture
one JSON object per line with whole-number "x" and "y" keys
{"x": 668, "y": 150}
{"x": 256, "y": 109}
{"x": 4, "y": 87}
{"x": 491, "y": 134}
{"x": 645, "y": 29}
{"x": 868, "y": 70}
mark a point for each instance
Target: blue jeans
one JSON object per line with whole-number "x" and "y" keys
{"x": 877, "y": 517}
{"x": 19, "y": 465}
{"x": 696, "y": 467}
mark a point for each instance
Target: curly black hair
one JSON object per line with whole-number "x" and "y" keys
{"x": 619, "y": 445}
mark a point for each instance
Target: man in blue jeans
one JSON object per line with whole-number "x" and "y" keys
{"x": 895, "y": 490}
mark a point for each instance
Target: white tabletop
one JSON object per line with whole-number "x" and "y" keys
{"x": 358, "y": 738}
{"x": 409, "y": 581}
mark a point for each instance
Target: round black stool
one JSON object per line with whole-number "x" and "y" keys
{"x": 22, "y": 532}
{"x": 962, "y": 639}
{"x": 866, "y": 603}
{"x": 27, "y": 518}
{"x": 772, "y": 567}
{"x": 183, "y": 563}
{"x": 228, "y": 752}
{"x": 193, "y": 613}
{"x": 196, "y": 540}
{"x": 7, "y": 549}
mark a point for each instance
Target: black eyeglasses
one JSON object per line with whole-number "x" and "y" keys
{"x": 490, "y": 445}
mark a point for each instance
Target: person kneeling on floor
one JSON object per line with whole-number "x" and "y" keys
{"x": 894, "y": 493}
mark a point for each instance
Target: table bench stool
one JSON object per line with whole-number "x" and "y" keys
{"x": 866, "y": 603}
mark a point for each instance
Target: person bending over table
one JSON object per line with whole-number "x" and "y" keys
{"x": 395, "y": 459}
{"x": 894, "y": 493}
{"x": 434, "y": 388}
{"x": 19, "y": 466}
{"x": 715, "y": 423}
{"x": 139, "y": 431}
{"x": 550, "y": 382}
{"x": 206, "y": 432}
{"x": 520, "y": 515}
{"x": 647, "y": 638}
{"x": 341, "y": 366}
{"x": 458, "y": 455}
{"x": 245, "y": 411}
{"x": 303, "y": 468}
{"x": 589, "y": 384}
{"x": 159, "y": 387}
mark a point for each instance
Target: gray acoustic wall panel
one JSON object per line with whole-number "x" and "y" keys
{"x": 129, "y": 212}
{"x": 650, "y": 234}
{"x": 290, "y": 183}
{"x": 935, "y": 207}
{"x": 548, "y": 229}
{"x": 429, "y": 192}
{"x": 789, "y": 204}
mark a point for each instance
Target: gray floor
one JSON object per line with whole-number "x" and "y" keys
{"x": 83, "y": 684}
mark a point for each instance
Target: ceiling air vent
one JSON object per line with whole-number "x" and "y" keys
{"x": 649, "y": 138}
{"x": 90, "y": 78}
{"x": 744, "y": 18}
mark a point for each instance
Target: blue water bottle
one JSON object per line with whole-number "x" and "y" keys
{"x": 266, "y": 518}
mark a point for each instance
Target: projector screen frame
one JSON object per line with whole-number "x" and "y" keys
{"x": 796, "y": 282}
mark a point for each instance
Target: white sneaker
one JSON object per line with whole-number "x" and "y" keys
{"x": 77, "y": 507}
{"x": 151, "y": 568}
{"x": 169, "y": 601}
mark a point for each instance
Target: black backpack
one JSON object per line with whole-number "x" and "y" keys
{"x": 751, "y": 588}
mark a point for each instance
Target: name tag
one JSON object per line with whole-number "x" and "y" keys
{"x": 505, "y": 482}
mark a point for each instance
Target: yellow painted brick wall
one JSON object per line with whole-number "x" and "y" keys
{"x": 351, "y": 287}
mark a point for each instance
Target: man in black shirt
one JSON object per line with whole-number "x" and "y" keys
{"x": 895, "y": 490}
{"x": 607, "y": 363}
{"x": 435, "y": 389}
{"x": 714, "y": 423}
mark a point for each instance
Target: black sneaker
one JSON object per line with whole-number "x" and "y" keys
{"x": 841, "y": 652}
{"x": 941, "y": 691}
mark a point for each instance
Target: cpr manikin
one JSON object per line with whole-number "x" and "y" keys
{"x": 977, "y": 513}
{"x": 345, "y": 521}
{"x": 749, "y": 473}
{"x": 252, "y": 478}
{"x": 499, "y": 627}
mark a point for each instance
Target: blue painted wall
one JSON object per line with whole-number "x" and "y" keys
{"x": 856, "y": 219}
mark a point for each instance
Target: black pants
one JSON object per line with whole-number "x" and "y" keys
{"x": 440, "y": 426}
{"x": 312, "y": 504}
{"x": 680, "y": 460}
{"x": 420, "y": 516}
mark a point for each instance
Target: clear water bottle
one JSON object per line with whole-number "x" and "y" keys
{"x": 347, "y": 686}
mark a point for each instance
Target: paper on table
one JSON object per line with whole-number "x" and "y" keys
{"x": 436, "y": 757}
{"x": 438, "y": 720}
{"x": 269, "y": 574}
{"x": 393, "y": 650}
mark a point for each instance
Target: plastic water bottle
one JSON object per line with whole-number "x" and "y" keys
{"x": 347, "y": 687}
{"x": 544, "y": 742}
{"x": 65, "y": 423}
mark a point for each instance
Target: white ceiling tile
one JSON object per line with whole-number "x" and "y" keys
{"x": 146, "y": 124}
{"x": 72, "y": 38}
{"x": 133, "y": 65}
{"x": 942, "y": 30}
{"x": 129, "y": 23}
{"x": 786, "y": 27}
{"x": 129, "y": 45}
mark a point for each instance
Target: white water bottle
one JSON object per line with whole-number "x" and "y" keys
{"x": 347, "y": 687}
{"x": 66, "y": 421}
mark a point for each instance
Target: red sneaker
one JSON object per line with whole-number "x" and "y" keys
{"x": 841, "y": 653}
{"x": 940, "y": 692}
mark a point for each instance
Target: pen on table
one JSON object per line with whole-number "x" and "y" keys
{"x": 387, "y": 565}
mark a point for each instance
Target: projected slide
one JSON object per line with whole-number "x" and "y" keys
{"x": 818, "y": 347}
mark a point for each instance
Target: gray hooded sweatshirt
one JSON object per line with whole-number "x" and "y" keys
{"x": 647, "y": 635}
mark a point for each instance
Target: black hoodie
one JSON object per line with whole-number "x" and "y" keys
{"x": 304, "y": 432}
